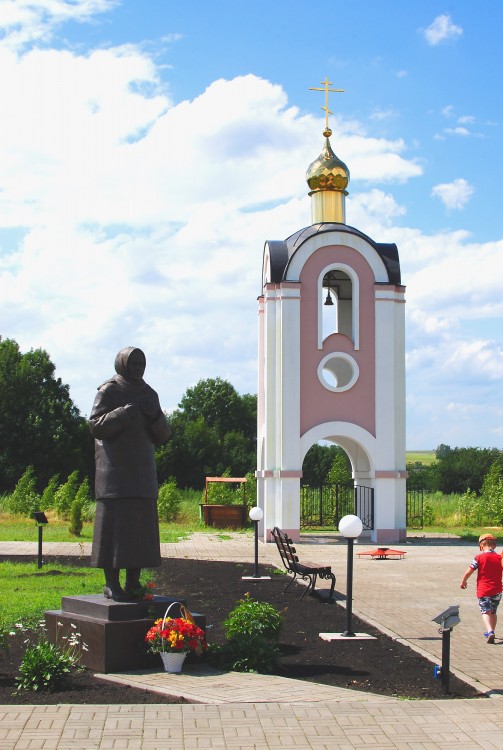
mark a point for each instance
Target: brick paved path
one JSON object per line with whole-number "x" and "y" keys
{"x": 399, "y": 596}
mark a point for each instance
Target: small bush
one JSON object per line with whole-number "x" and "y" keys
{"x": 48, "y": 495}
{"x": 76, "y": 522}
{"x": 252, "y": 631}
{"x": 251, "y": 490}
{"x": 492, "y": 494}
{"x": 255, "y": 619}
{"x": 45, "y": 667}
{"x": 225, "y": 493}
{"x": 25, "y": 499}
{"x": 169, "y": 501}
{"x": 469, "y": 508}
{"x": 65, "y": 495}
{"x": 81, "y": 508}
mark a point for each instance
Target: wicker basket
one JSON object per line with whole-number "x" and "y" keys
{"x": 173, "y": 661}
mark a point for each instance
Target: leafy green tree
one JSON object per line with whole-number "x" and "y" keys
{"x": 40, "y": 426}
{"x": 339, "y": 471}
{"x": 213, "y": 429}
{"x": 459, "y": 469}
{"x": 318, "y": 462}
{"x": 25, "y": 499}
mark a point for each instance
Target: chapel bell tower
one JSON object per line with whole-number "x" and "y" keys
{"x": 332, "y": 359}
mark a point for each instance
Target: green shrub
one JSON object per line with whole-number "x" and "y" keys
{"x": 428, "y": 513}
{"x": 45, "y": 666}
{"x": 65, "y": 495}
{"x": 48, "y": 495}
{"x": 225, "y": 493}
{"x": 252, "y": 631}
{"x": 169, "y": 501}
{"x": 252, "y": 618}
{"x": 469, "y": 508}
{"x": 25, "y": 499}
{"x": 249, "y": 655}
{"x": 76, "y": 522}
{"x": 251, "y": 490}
{"x": 492, "y": 494}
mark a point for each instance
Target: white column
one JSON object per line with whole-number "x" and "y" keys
{"x": 389, "y": 483}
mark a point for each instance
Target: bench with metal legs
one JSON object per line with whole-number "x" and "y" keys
{"x": 307, "y": 571}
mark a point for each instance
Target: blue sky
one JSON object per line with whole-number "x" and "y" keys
{"x": 148, "y": 148}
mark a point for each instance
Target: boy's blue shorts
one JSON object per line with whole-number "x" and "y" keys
{"x": 489, "y": 604}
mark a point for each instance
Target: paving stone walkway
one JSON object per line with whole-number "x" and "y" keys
{"x": 243, "y": 711}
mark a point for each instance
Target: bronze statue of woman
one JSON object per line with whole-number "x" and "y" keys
{"x": 126, "y": 422}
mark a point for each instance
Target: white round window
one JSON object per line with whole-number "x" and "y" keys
{"x": 338, "y": 372}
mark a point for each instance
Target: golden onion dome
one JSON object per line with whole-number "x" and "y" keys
{"x": 327, "y": 172}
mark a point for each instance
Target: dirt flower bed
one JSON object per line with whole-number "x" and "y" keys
{"x": 380, "y": 666}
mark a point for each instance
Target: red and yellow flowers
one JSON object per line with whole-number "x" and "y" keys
{"x": 175, "y": 634}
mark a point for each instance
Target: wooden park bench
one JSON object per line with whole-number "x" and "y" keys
{"x": 307, "y": 571}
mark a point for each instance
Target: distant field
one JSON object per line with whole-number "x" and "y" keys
{"x": 424, "y": 457}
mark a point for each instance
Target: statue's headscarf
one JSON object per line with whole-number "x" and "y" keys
{"x": 122, "y": 357}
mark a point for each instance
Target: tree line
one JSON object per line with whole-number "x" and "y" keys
{"x": 456, "y": 470}
{"x": 213, "y": 432}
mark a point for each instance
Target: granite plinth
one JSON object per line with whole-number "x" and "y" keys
{"x": 95, "y": 605}
{"x": 113, "y": 632}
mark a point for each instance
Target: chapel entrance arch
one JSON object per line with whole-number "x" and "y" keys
{"x": 359, "y": 446}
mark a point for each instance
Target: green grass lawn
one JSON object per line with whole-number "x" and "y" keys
{"x": 20, "y": 529}
{"x": 26, "y": 592}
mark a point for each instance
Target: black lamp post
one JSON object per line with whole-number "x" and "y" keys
{"x": 41, "y": 521}
{"x": 351, "y": 527}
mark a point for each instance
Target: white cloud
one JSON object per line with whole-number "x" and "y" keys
{"x": 441, "y": 30}
{"x": 458, "y": 131}
{"x": 28, "y": 21}
{"x": 382, "y": 114}
{"x": 128, "y": 219}
{"x": 454, "y": 195}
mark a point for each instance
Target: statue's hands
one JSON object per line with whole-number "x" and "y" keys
{"x": 133, "y": 411}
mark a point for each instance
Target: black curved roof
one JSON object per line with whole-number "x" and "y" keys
{"x": 281, "y": 251}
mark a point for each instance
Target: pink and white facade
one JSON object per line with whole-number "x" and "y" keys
{"x": 332, "y": 372}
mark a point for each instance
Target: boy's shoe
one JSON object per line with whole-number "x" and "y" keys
{"x": 490, "y": 636}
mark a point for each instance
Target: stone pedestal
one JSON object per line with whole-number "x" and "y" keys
{"x": 114, "y": 632}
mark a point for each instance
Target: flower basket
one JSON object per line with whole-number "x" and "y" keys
{"x": 173, "y": 662}
{"x": 175, "y": 637}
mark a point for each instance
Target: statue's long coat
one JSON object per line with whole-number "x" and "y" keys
{"x": 126, "y": 530}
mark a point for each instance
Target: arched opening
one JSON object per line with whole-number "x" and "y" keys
{"x": 337, "y": 303}
{"x": 319, "y": 448}
{"x": 327, "y": 487}
{"x": 338, "y": 294}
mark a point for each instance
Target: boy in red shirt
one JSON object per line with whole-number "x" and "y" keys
{"x": 488, "y": 565}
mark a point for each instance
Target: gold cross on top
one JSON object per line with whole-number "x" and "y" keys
{"x": 326, "y": 83}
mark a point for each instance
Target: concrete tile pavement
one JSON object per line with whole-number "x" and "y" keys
{"x": 344, "y": 725}
{"x": 399, "y": 596}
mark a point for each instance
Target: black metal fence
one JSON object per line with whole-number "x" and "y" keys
{"x": 415, "y": 505}
{"x": 323, "y": 507}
